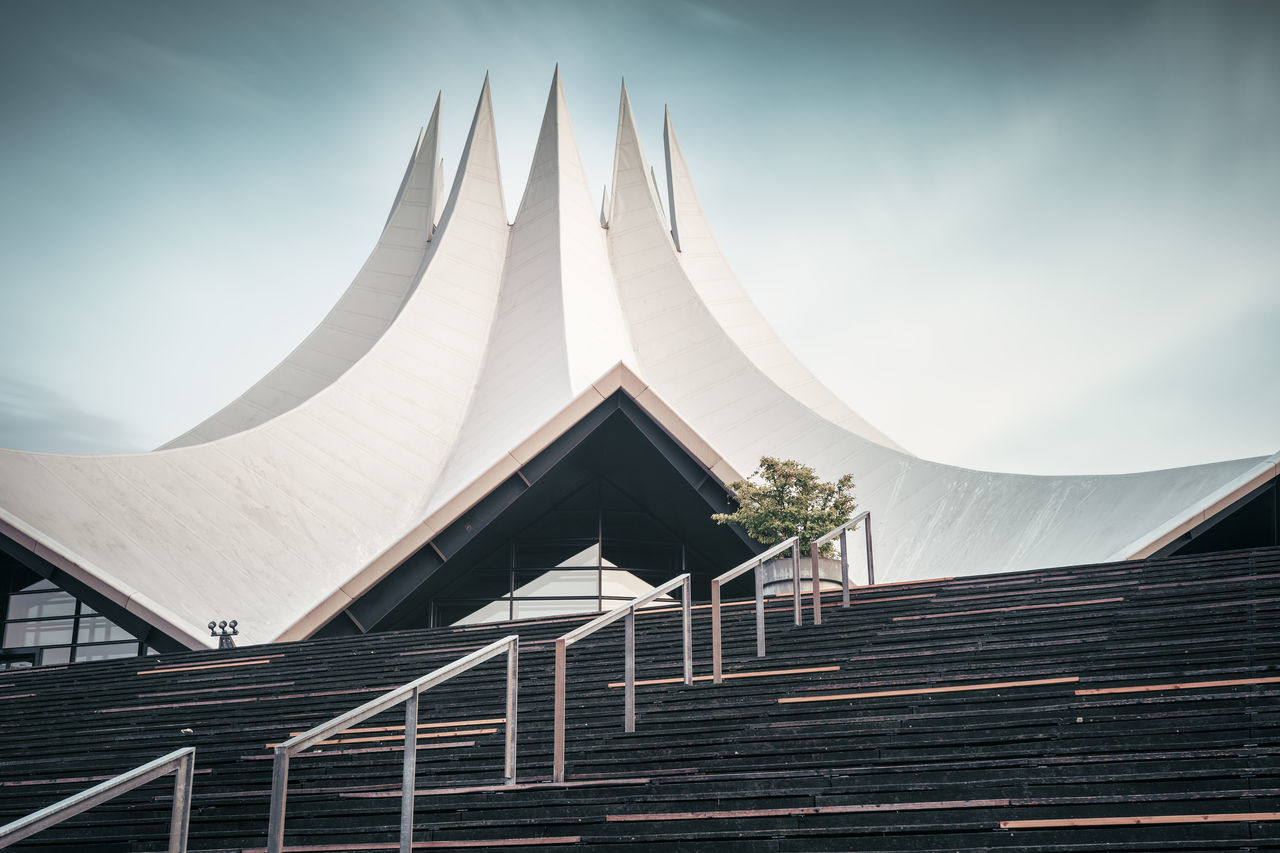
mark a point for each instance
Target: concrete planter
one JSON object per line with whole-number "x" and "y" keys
{"x": 777, "y": 575}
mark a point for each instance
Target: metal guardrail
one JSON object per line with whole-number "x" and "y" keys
{"x": 408, "y": 694}
{"x": 627, "y": 611}
{"x": 842, "y": 532}
{"x": 180, "y": 762}
{"x": 756, "y": 562}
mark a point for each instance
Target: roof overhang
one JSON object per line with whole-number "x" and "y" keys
{"x": 82, "y": 578}
{"x": 1217, "y": 501}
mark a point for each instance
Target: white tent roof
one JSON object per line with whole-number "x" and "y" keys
{"x": 461, "y": 350}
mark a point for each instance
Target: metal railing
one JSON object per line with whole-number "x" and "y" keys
{"x": 407, "y": 694}
{"x": 181, "y": 763}
{"x": 756, "y": 562}
{"x": 842, "y": 532}
{"x": 627, "y": 611}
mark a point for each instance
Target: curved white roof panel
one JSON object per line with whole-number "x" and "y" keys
{"x": 462, "y": 349}
{"x": 361, "y": 314}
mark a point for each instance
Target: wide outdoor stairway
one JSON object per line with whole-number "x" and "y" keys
{"x": 1127, "y": 706}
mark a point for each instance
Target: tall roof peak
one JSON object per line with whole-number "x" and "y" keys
{"x": 679, "y": 187}
{"x": 558, "y": 258}
{"x": 429, "y": 157}
{"x": 556, "y": 153}
{"x": 633, "y": 192}
{"x": 479, "y": 161}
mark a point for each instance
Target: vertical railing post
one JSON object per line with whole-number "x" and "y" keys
{"x": 795, "y": 582}
{"x": 409, "y": 776}
{"x": 279, "y": 793}
{"x": 844, "y": 568}
{"x": 557, "y": 761}
{"x": 513, "y": 703}
{"x": 686, "y": 615}
{"x": 871, "y": 571}
{"x": 181, "y": 817}
{"x": 717, "y": 665}
{"x": 629, "y": 677}
{"x": 817, "y": 584}
{"x": 760, "y": 609}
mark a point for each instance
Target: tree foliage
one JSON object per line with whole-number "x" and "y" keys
{"x": 784, "y": 498}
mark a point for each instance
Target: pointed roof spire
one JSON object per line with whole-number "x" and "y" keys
{"x": 416, "y": 187}
{"x": 430, "y": 153}
{"x": 478, "y": 169}
{"x": 558, "y": 255}
{"x": 675, "y": 163}
{"x": 634, "y": 193}
{"x": 556, "y": 151}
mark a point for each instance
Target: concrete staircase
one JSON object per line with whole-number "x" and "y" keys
{"x": 1131, "y": 706}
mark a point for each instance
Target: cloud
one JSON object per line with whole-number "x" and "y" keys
{"x": 36, "y": 418}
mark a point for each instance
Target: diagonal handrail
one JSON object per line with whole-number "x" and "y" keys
{"x": 180, "y": 762}
{"x": 757, "y": 563}
{"x": 408, "y": 694}
{"x": 842, "y": 532}
{"x": 627, "y": 611}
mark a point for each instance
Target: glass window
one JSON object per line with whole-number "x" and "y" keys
{"x": 554, "y": 607}
{"x": 35, "y": 605}
{"x": 559, "y": 583}
{"x": 51, "y": 632}
{"x": 48, "y": 657}
{"x": 43, "y": 628}
{"x": 100, "y": 629}
{"x": 106, "y": 652}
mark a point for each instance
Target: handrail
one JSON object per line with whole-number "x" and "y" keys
{"x": 180, "y": 762}
{"x": 756, "y": 562}
{"x": 816, "y": 544}
{"x": 628, "y": 611}
{"x": 407, "y": 693}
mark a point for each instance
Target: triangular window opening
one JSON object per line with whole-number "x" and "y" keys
{"x": 590, "y": 553}
{"x": 44, "y": 625}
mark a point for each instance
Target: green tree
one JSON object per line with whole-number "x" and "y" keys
{"x": 784, "y": 498}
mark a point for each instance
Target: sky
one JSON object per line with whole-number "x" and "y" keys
{"x": 1014, "y": 236}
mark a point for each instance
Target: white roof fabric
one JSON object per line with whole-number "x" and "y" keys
{"x": 464, "y": 346}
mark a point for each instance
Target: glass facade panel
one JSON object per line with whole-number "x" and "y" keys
{"x": 557, "y": 583}
{"x": 47, "y": 633}
{"x": 100, "y": 629}
{"x": 45, "y": 625}
{"x": 107, "y": 651}
{"x": 37, "y": 605}
{"x": 48, "y": 657}
{"x": 554, "y": 607}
